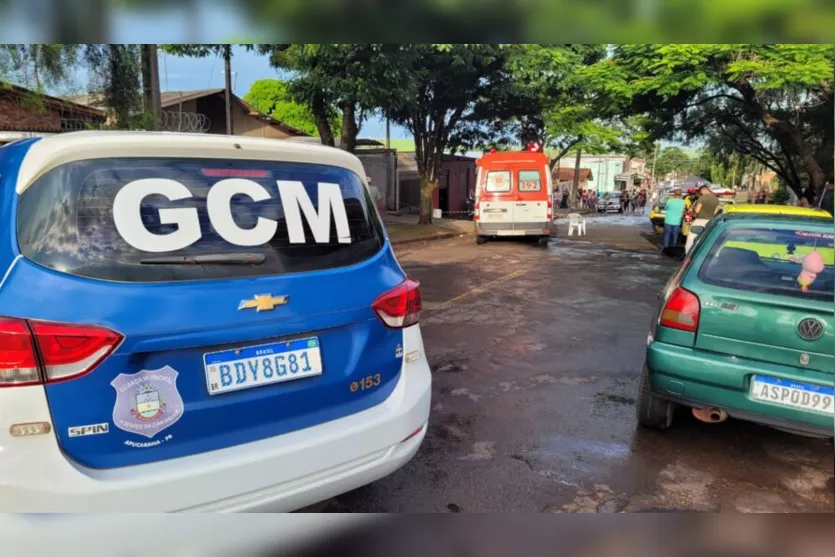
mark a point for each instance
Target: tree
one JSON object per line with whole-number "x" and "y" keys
{"x": 443, "y": 86}
{"x": 672, "y": 159}
{"x": 38, "y": 66}
{"x": 272, "y": 97}
{"x": 550, "y": 102}
{"x": 353, "y": 79}
{"x": 204, "y": 50}
{"x": 773, "y": 103}
{"x": 116, "y": 71}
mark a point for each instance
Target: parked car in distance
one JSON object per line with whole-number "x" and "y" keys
{"x": 746, "y": 326}
{"x": 176, "y": 333}
{"x": 610, "y": 204}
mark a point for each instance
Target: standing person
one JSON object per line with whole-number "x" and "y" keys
{"x": 624, "y": 201}
{"x": 643, "y": 200}
{"x": 705, "y": 208}
{"x": 672, "y": 220}
{"x": 807, "y": 198}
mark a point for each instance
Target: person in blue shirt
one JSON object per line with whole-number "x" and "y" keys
{"x": 674, "y": 208}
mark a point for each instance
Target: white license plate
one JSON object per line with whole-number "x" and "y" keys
{"x": 511, "y": 232}
{"x": 815, "y": 398}
{"x": 256, "y": 366}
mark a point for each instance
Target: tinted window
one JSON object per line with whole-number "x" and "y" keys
{"x": 529, "y": 180}
{"x": 66, "y": 220}
{"x": 498, "y": 181}
{"x": 772, "y": 260}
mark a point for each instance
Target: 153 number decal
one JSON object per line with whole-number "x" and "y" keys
{"x": 366, "y": 383}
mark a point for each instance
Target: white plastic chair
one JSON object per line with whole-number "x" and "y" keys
{"x": 576, "y": 220}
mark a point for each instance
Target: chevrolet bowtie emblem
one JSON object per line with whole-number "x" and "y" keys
{"x": 263, "y": 302}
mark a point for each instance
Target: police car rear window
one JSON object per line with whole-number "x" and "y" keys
{"x": 162, "y": 220}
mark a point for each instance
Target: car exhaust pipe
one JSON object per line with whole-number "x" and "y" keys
{"x": 710, "y": 415}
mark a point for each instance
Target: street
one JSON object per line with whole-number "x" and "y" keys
{"x": 536, "y": 355}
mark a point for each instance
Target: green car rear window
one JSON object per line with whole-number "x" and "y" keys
{"x": 786, "y": 262}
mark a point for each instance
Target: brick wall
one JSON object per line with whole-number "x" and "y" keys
{"x": 20, "y": 115}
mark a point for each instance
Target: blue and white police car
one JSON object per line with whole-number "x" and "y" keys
{"x": 198, "y": 323}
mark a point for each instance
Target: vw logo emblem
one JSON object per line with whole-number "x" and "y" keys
{"x": 810, "y": 329}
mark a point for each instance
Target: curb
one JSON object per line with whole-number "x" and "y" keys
{"x": 445, "y": 236}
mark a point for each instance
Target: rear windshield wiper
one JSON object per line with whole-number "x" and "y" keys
{"x": 207, "y": 259}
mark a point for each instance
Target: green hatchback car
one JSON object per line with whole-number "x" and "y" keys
{"x": 746, "y": 327}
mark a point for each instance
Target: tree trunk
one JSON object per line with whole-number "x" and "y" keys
{"x": 348, "y": 141}
{"x": 575, "y": 183}
{"x": 227, "y": 62}
{"x": 150, "y": 82}
{"x": 427, "y": 190}
{"x": 323, "y": 125}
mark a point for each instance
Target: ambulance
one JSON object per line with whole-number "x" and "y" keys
{"x": 514, "y": 195}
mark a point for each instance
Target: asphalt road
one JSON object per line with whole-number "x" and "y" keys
{"x": 536, "y": 355}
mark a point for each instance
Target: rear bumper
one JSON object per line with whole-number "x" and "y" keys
{"x": 699, "y": 379}
{"x": 282, "y": 473}
{"x": 514, "y": 229}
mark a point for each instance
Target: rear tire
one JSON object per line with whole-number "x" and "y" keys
{"x": 481, "y": 240}
{"x": 653, "y": 412}
{"x": 543, "y": 241}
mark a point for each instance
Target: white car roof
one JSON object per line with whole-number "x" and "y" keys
{"x": 56, "y": 150}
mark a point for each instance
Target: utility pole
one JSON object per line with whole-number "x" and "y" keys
{"x": 227, "y": 62}
{"x": 150, "y": 82}
{"x": 389, "y": 178}
{"x": 576, "y": 182}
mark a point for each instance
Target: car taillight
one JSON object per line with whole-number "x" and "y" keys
{"x": 18, "y": 363}
{"x": 681, "y": 311}
{"x": 475, "y": 210}
{"x": 399, "y": 307}
{"x": 550, "y": 210}
{"x": 66, "y": 351}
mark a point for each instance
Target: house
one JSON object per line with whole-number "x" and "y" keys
{"x": 564, "y": 177}
{"x": 457, "y": 179}
{"x": 204, "y": 111}
{"x": 604, "y": 168}
{"x": 25, "y": 113}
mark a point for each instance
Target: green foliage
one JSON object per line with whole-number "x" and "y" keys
{"x": 672, "y": 159}
{"x": 443, "y": 93}
{"x": 781, "y": 196}
{"x": 196, "y": 50}
{"x": 552, "y": 101}
{"x": 354, "y": 79}
{"x": 272, "y": 97}
{"x": 116, "y": 71}
{"x": 771, "y": 103}
{"x": 40, "y": 67}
